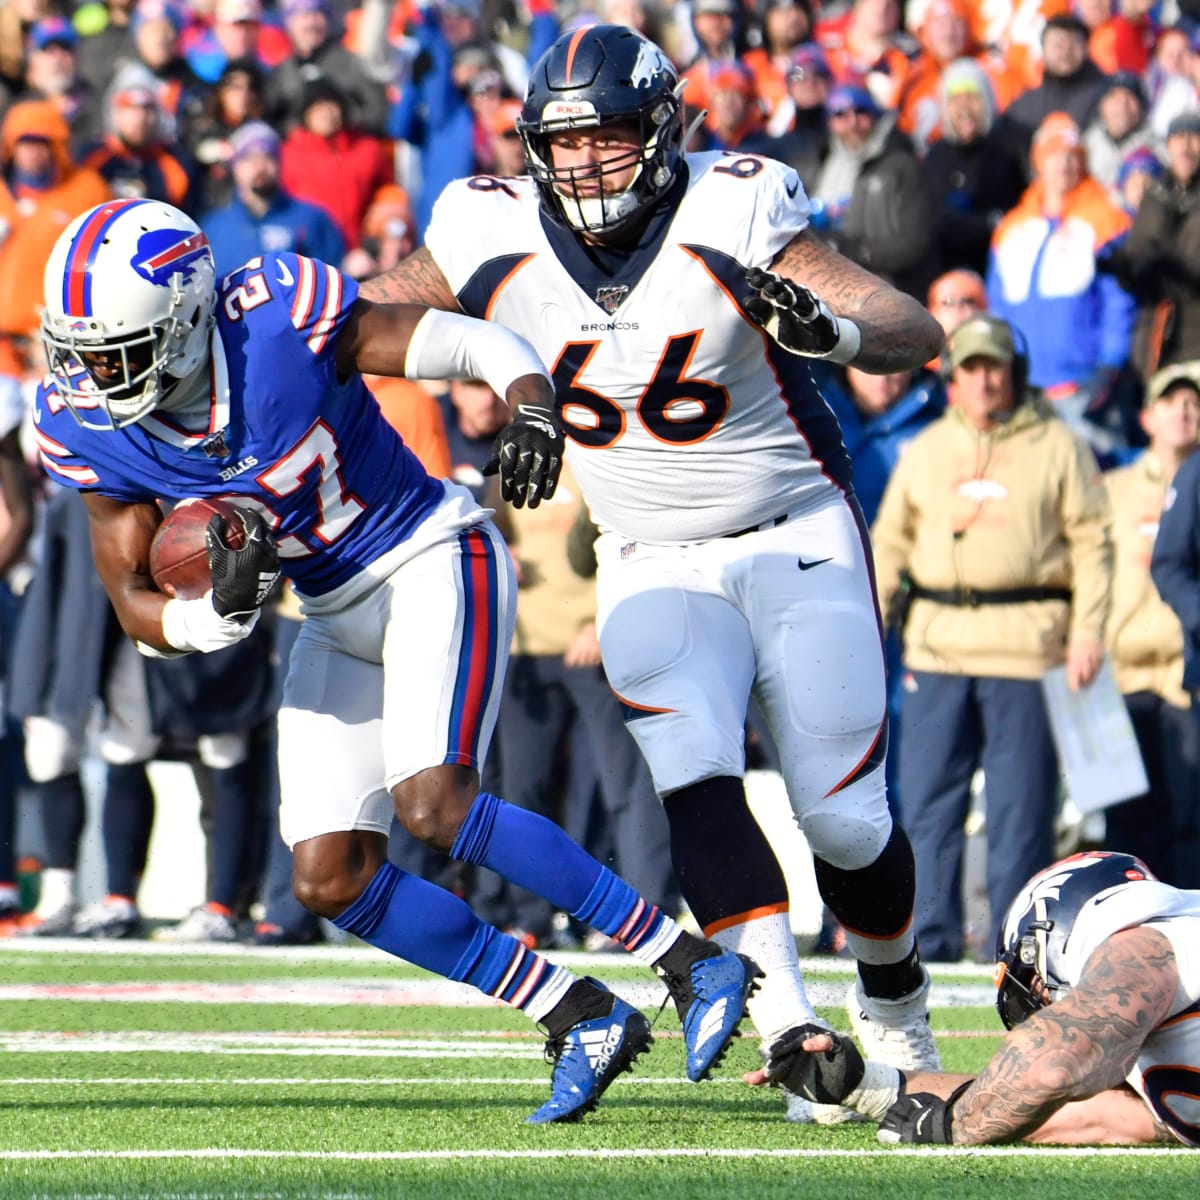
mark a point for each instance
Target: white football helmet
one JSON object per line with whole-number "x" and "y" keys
{"x": 130, "y": 294}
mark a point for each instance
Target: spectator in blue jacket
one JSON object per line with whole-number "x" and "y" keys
{"x": 262, "y": 217}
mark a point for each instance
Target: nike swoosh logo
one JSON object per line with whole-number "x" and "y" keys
{"x": 808, "y": 566}
{"x": 792, "y": 190}
{"x": 285, "y": 276}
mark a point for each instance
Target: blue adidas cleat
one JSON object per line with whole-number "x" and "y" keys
{"x": 588, "y": 1057}
{"x": 711, "y": 1002}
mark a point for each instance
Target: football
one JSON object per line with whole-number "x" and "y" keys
{"x": 178, "y": 554}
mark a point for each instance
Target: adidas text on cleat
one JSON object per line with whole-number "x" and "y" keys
{"x": 895, "y": 1032}
{"x": 711, "y": 1002}
{"x": 588, "y": 1057}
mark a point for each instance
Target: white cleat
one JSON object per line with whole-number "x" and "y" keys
{"x": 895, "y": 1032}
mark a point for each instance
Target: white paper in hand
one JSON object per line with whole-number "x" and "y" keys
{"x": 1097, "y": 751}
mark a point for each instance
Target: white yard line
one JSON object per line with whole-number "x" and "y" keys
{"x": 630, "y": 1152}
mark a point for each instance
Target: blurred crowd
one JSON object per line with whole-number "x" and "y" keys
{"x": 1036, "y": 160}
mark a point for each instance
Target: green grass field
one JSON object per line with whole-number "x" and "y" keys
{"x": 140, "y": 1070}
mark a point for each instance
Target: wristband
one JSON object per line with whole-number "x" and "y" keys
{"x": 877, "y": 1091}
{"x": 450, "y": 346}
{"x": 848, "y": 344}
{"x": 190, "y": 625}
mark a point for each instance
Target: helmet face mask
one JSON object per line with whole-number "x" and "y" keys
{"x": 130, "y": 296}
{"x": 603, "y": 77}
{"x": 1030, "y": 971}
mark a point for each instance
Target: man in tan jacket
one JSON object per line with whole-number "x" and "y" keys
{"x": 1145, "y": 642}
{"x": 995, "y": 531}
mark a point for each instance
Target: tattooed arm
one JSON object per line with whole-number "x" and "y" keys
{"x": 416, "y": 280}
{"x": 897, "y": 332}
{"x": 1083, "y": 1045}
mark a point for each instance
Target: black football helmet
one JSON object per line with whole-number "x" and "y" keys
{"x": 602, "y": 75}
{"x": 1032, "y": 943}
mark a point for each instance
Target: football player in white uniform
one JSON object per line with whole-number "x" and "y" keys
{"x": 680, "y": 301}
{"x": 1098, "y": 982}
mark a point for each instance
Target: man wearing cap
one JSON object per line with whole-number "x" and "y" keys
{"x": 870, "y": 193}
{"x": 262, "y": 217}
{"x": 1119, "y": 127}
{"x": 133, "y": 158}
{"x": 975, "y": 170}
{"x": 1146, "y": 643}
{"x": 317, "y": 50}
{"x": 238, "y": 31}
{"x": 51, "y": 73}
{"x": 1161, "y": 258}
{"x": 995, "y": 530}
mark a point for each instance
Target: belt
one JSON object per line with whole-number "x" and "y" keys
{"x": 771, "y": 524}
{"x": 974, "y": 597}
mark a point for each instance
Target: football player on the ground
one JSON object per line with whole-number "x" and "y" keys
{"x": 165, "y": 385}
{"x": 680, "y": 300}
{"x": 1098, "y": 978}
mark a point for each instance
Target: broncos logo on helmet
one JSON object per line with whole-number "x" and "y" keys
{"x": 1031, "y": 946}
{"x": 592, "y": 77}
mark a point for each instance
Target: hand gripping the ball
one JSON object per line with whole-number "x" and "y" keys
{"x": 797, "y": 319}
{"x": 241, "y": 578}
{"x": 528, "y": 455}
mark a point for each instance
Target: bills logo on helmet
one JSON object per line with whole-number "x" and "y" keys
{"x": 162, "y": 253}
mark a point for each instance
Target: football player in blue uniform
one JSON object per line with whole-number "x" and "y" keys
{"x": 164, "y": 384}
{"x": 680, "y": 299}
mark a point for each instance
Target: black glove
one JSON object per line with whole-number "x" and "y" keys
{"x": 243, "y": 578}
{"x": 922, "y": 1118}
{"x": 822, "y": 1077}
{"x": 528, "y": 455}
{"x": 791, "y": 314}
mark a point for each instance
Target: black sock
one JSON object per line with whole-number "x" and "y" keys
{"x": 583, "y": 1002}
{"x": 126, "y": 823}
{"x": 61, "y": 801}
{"x": 685, "y": 950}
{"x": 722, "y": 858}
{"x": 892, "y": 981}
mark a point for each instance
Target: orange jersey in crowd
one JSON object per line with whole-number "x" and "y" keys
{"x": 698, "y": 93}
{"x": 32, "y": 220}
{"x": 414, "y": 414}
{"x": 884, "y": 75}
{"x": 1120, "y": 44}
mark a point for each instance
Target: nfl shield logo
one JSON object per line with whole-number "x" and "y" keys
{"x": 215, "y": 446}
{"x": 610, "y": 296}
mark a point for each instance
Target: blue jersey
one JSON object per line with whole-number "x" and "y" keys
{"x": 313, "y": 453}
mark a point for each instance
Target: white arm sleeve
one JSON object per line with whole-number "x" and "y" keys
{"x": 450, "y": 346}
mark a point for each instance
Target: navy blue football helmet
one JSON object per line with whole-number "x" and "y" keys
{"x": 1032, "y": 942}
{"x": 603, "y": 75}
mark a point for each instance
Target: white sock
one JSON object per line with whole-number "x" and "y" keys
{"x": 57, "y": 891}
{"x": 781, "y": 1000}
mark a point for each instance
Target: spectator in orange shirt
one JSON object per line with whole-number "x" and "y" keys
{"x": 735, "y": 120}
{"x": 866, "y": 45}
{"x": 132, "y": 158}
{"x": 786, "y": 24}
{"x": 719, "y": 26}
{"x": 945, "y": 36}
{"x": 42, "y": 192}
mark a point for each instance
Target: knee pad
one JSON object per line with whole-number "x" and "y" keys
{"x": 849, "y": 829}
{"x": 121, "y": 744}
{"x": 52, "y": 749}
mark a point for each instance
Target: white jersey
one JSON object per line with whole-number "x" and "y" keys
{"x": 684, "y": 420}
{"x": 1167, "y": 1072}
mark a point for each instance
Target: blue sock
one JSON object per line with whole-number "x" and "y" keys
{"x": 536, "y": 854}
{"x": 431, "y": 928}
